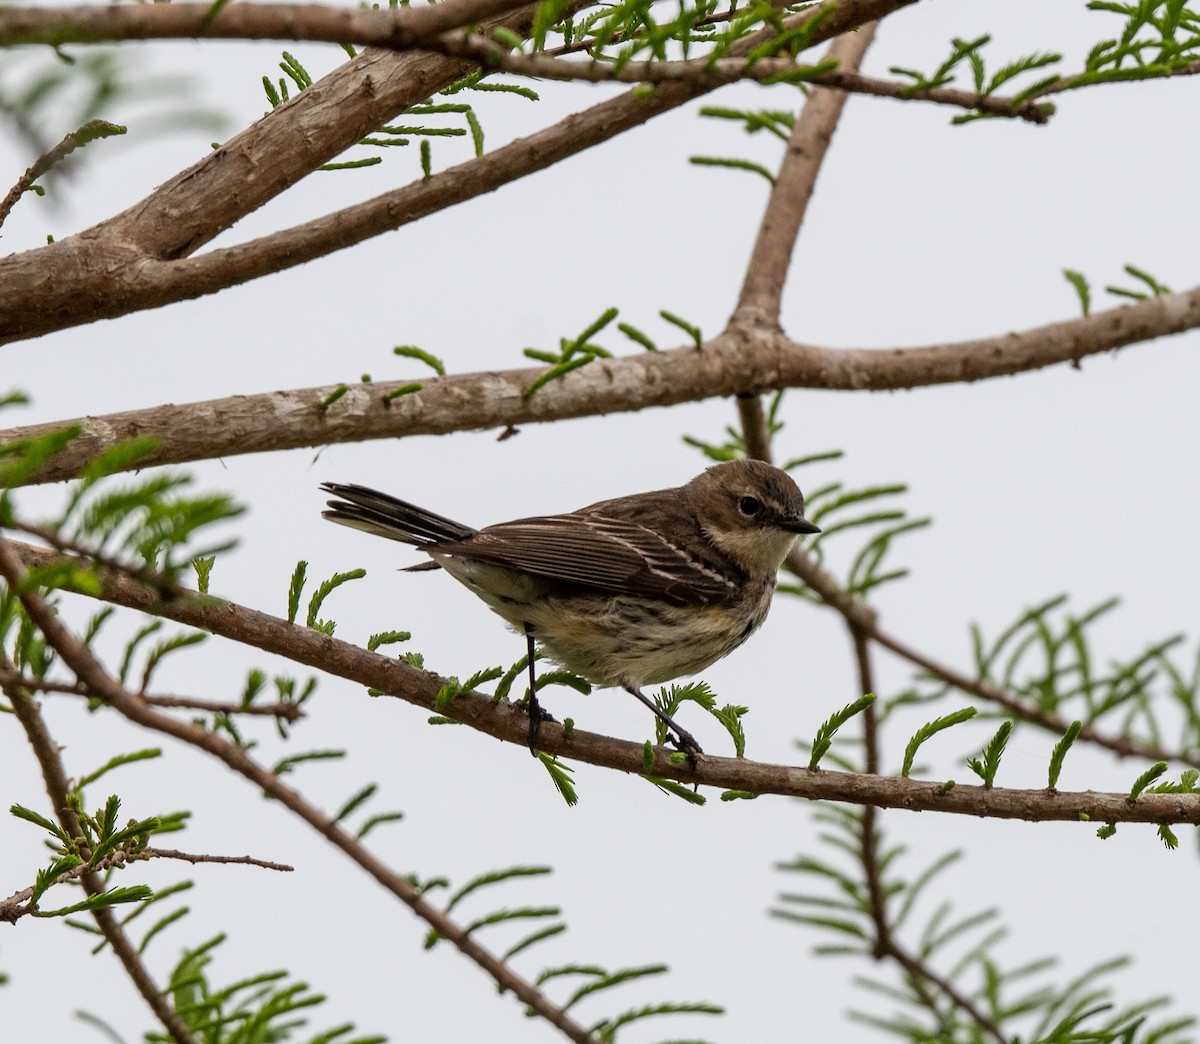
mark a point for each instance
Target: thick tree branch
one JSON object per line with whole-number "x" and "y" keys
{"x": 395, "y": 28}
{"x": 735, "y": 362}
{"x": 102, "y": 266}
{"x": 509, "y": 723}
{"x": 139, "y": 251}
{"x": 89, "y": 671}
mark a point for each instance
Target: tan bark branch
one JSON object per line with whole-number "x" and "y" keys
{"x": 156, "y": 282}
{"x": 860, "y": 623}
{"x": 508, "y": 722}
{"x": 89, "y": 671}
{"x": 735, "y": 362}
{"x": 762, "y": 290}
{"x": 244, "y": 173}
{"x": 886, "y": 946}
{"x": 140, "y": 251}
{"x": 395, "y": 28}
{"x": 492, "y": 55}
{"x": 408, "y": 27}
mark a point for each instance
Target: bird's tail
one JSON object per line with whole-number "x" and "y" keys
{"x": 374, "y": 512}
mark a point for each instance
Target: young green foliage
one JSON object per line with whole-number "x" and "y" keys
{"x": 1022, "y": 1001}
{"x": 985, "y": 767}
{"x": 411, "y": 351}
{"x": 670, "y": 698}
{"x": 256, "y": 1009}
{"x": 560, "y": 773}
{"x": 732, "y": 163}
{"x": 1082, "y": 288}
{"x": 387, "y": 638}
{"x": 1153, "y": 287}
{"x": 930, "y": 729}
{"x": 572, "y": 354}
{"x": 1145, "y": 779}
{"x": 670, "y": 786}
{"x": 1060, "y": 752}
{"x": 829, "y": 727}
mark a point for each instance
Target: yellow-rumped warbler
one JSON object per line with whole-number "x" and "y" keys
{"x": 633, "y": 591}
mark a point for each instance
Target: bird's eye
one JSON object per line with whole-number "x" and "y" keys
{"x": 749, "y": 506}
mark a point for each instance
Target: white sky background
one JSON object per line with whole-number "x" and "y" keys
{"x": 1065, "y": 480}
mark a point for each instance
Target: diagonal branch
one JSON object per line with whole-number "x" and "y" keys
{"x": 509, "y": 722}
{"x": 861, "y": 617}
{"x": 89, "y": 671}
{"x": 735, "y": 362}
{"x": 762, "y": 290}
{"x": 54, "y": 774}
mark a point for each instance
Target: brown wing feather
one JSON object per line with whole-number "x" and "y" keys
{"x": 600, "y": 552}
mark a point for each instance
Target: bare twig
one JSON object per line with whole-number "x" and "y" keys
{"x": 75, "y": 140}
{"x": 201, "y": 857}
{"x": 290, "y": 712}
{"x": 495, "y": 57}
{"x": 920, "y": 970}
{"x": 508, "y": 722}
{"x": 861, "y": 615}
{"x": 17, "y": 905}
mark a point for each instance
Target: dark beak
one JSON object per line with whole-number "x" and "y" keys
{"x": 799, "y": 525}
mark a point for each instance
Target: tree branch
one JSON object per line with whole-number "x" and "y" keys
{"x": 861, "y": 616}
{"x": 492, "y": 55}
{"x": 395, "y": 28}
{"x": 290, "y": 712}
{"x": 17, "y": 905}
{"x": 77, "y": 139}
{"x": 762, "y": 290}
{"x": 508, "y": 722}
{"x": 737, "y": 361}
{"x": 89, "y": 671}
{"x": 54, "y": 775}
{"x": 141, "y": 249}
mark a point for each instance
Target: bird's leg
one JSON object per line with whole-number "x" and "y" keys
{"x": 536, "y": 714}
{"x": 686, "y": 741}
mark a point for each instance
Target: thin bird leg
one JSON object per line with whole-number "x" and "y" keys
{"x": 536, "y": 713}
{"x": 686, "y": 741}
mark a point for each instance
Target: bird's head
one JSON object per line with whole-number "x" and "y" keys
{"x": 751, "y": 511}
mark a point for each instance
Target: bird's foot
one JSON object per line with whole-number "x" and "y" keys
{"x": 685, "y": 742}
{"x": 537, "y": 714}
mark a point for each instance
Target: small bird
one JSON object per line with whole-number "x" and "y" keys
{"x": 633, "y": 591}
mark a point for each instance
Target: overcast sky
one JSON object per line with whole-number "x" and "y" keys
{"x": 1067, "y": 480}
